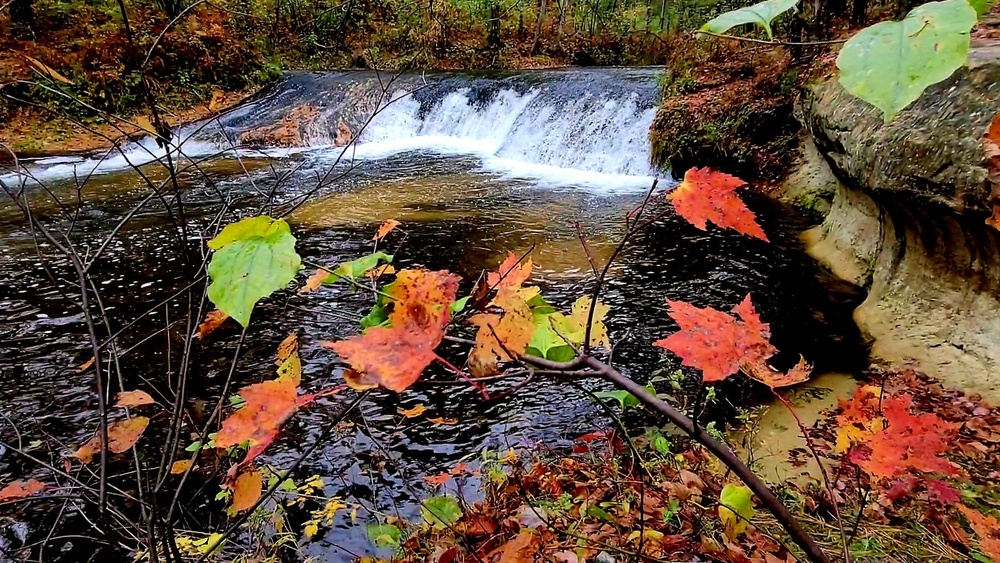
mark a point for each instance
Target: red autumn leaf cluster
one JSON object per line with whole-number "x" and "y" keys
{"x": 706, "y": 196}
{"x": 891, "y": 441}
{"x": 395, "y": 356}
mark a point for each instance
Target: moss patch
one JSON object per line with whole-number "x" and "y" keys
{"x": 728, "y": 107}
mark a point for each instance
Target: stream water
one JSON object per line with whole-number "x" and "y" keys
{"x": 473, "y": 166}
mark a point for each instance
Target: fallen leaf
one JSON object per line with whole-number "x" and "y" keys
{"x": 47, "y": 71}
{"x": 444, "y": 421}
{"x": 987, "y": 530}
{"x": 246, "y": 490}
{"x": 706, "y": 195}
{"x": 314, "y": 281}
{"x": 86, "y": 365}
{"x": 21, "y": 489}
{"x": 385, "y": 229}
{"x": 735, "y": 509}
{"x": 437, "y": 480}
{"x": 415, "y": 411}
{"x": 775, "y": 379}
{"x": 218, "y": 98}
{"x": 512, "y": 272}
{"x": 213, "y": 320}
{"x": 521, "y": 549}
{"x": 122, "y": 435}
{"x": 133, "y": 399}
{"x": 397, "y": 355}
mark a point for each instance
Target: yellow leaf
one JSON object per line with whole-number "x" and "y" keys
{"x": 311, "y": 529}
{"x": 415, "y": 411}
{"x": 180, "y": 466}
{"x": 443, "y": 420}
{"x": 218, "y": 97}
{"x": 735, "y": 509}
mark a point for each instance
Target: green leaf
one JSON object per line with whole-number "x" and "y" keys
{"x": 357, "y": 268}
{"x": 459, "y": 305}
{"x": 762, "y": 14}
{"x": 600, "y": 514}
{"x": 253, "y": 258}
{"x": 739, "y": 499}
{"x": 441, "y": 512}
{"x": 661, "y": 445}
{"x": 384, "y": 535}
{"x": 624, "y": 398}
{"x": 376, "y": 317}
{"x": 544, "y": 338}
{"x": 982, "y": 7}
{"x": 891, "y": 63}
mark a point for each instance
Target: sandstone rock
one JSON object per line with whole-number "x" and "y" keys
{"x": 290, "y": 131}
{"x": 931, "y": 152}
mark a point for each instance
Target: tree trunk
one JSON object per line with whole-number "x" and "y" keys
{"x": 493, "y": 27}
{"x": 859, "y": 12}
{"x": 538, "y": 27}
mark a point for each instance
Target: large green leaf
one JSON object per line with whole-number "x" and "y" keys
{"x": 891, "y": 63}
{"x": 384, "y": 535}
{"x": 761, "y": 14}
{"x": 441, "y": 512}
{"x": 253, "y": 258}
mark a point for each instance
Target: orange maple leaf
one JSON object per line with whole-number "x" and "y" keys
{"x": 385, "y": 229}
{"x": 512, "y": 272}
{"x": 437, "y": 480}
{"x": 893, "y": 441}
{"x": 396, "y": 356}
{"x": 213, "y": 320}
{"x": 707, "y": 195}
{"x": 775, "y": 379}
{"x": 314, "y": 281}
{"x": 987, "y": 529}
{"x": 717, "y": 343}
{"x": 21, "y": 489}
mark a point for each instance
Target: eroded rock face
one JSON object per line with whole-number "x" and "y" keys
{"x": 932, "y": 152}
{"x": 906, "y": 222}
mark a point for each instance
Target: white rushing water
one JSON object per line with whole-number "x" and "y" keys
{"x": 588, "y": 140}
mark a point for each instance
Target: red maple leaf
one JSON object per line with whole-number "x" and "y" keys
{"x": 718, "y": 343}
{"x": 707, "y": 195}
{"x": 21, "y": 489}
{"x": 395, "y": 356}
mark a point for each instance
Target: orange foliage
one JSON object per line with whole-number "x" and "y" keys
{"x": 246, "y": 490}
{"x": 987, "y": 529}
{"x": 213, "y": 320}
{"x": 21, "y": 489}
{"x": 991, "y": 144}
{"x": 385, "y": 229}
{"x": 706, "y": 195}
{"x": 314, "y": 281}
{"x": 395, "y": 356}
{"x": 133, "y": 399}
{"x": 122, "y": 435}
{"x": 268, "y": 405}
{"x": 892, "y": 442}
{"x": 718, "y": 343}
{"x": 511, "y": 273}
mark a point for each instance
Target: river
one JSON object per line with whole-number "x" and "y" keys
{"x": 474, "y": 166}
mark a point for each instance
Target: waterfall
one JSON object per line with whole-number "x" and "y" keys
{"x": 561, "y": 127}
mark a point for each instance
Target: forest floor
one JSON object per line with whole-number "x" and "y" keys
{"x": 614, "y": 497}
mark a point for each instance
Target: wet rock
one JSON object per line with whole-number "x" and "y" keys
{"x": 289, "y": 131}
{"x": 906, "y": 223}
{"x": 932, "y": 152}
